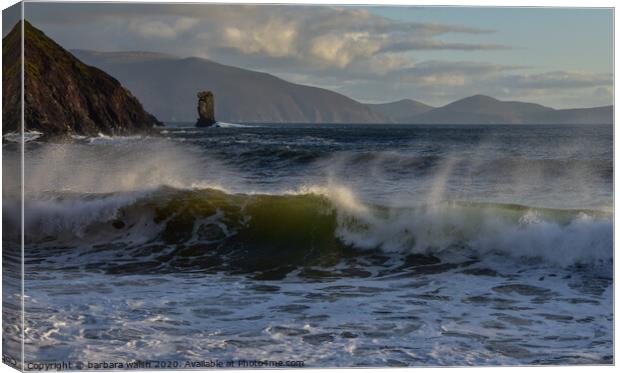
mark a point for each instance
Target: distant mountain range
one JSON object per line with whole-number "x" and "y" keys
{"x": 480, "y": 109}
{"x": 403, "y": 111}
{"x": 167, "y": 85}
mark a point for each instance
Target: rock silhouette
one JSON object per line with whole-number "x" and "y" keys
{"x": 206, "y": 109}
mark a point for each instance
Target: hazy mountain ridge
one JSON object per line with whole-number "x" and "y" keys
{"x": 481, "y": 109}
{"x": 595, "y": 115}
{"x": 167, "y": 86}
{"x": 402, "y": 111}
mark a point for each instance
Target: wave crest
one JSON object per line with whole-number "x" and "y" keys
{"x": 319, "y": 220}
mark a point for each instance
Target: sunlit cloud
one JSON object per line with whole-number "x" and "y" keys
{"x": 317, "y": 37}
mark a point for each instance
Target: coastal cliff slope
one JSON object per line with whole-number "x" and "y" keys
{"x": 62, "y": 94}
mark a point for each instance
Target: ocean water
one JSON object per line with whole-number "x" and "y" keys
{"x": 331, "y": 245}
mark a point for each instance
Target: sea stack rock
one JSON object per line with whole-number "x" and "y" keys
{"x": 206, "y": 109}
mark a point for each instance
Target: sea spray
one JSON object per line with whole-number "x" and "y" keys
{"x": 319, "y": 218}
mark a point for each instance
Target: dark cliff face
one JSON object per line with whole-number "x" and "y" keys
{"x": 11, "y": 81}
{"x": 64, "y": 95}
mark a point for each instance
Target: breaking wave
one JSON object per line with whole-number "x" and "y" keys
{"x": 315, "y": 225}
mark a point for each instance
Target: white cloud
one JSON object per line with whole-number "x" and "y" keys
{"x": 317, "y": 37}
{"x": 275, "y": 39}
{"x": 557, "y": 80}
{"x": 340, "y": 49}
{"x": 159, "y": 29}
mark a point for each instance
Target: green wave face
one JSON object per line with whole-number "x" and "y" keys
{"x": 209, "y": 228}
{"x": 257, "y": 232}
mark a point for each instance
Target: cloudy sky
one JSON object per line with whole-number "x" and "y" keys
{"x": 557, "y": 57}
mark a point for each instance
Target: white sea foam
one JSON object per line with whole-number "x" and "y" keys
{"x": 112, "y": 140}
{"x": 561, "y": 237}
{"x": 27, "y": 137}
{"x": 233, "y": 125}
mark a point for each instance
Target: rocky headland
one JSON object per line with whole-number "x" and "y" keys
{"x": 64, "y": 96}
